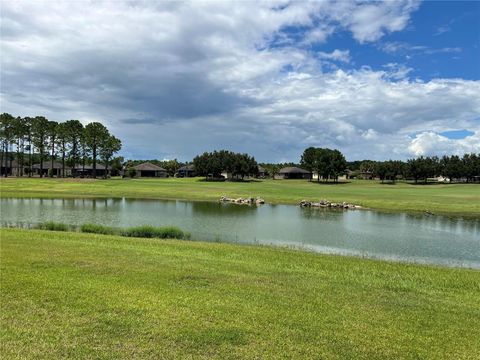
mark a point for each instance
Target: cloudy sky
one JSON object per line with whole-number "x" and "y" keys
{"x": 174, "y": 79}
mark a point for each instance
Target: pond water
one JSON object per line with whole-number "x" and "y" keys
{"x": 398, "y": 236}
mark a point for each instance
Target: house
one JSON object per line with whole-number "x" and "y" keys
{"x": 149, "y": 170}
{"x": 87, "y": 170}
{"x": 57, "y": 169}
{"x": 293, "y": 172}
{"x": 261, "y": 172}
{"x": 366, "y": 175}
{"x": 11, "y": 168}
{"x": 186, "y": 171}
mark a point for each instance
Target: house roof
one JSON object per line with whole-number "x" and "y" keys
{"x": 293, "y": 170}
{"x": 261, "y": 169}
{"x": 190, "y": 167}
{"x": 148, "y": 167}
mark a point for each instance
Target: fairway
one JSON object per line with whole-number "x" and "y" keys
{"x": 454, "y": 199}
{"x": 71, "y": 295}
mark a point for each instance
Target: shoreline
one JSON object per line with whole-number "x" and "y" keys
{"x": 345, "y": 254}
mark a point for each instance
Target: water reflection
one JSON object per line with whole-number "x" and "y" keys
{"x": 410, "y": 237}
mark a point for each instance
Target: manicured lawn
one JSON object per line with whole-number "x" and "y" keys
{"x": 455, "y": 199}
{"x": 72, "y": 295}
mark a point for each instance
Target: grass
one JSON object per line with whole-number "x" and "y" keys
{"x": 449, "y": 199}
{"x": 98, "y": 229}
{"x": 76, "y": 295}
{"x": 143, "y": 231}
{"x": 147, "y": 231}
{"x": 53, "y": 226}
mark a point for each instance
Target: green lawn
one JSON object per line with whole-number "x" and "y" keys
{"x": 73, "y": 295}
{"x": 455, "y": 199}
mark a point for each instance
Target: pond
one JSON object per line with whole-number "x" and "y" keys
{"x": 397, "y": 236}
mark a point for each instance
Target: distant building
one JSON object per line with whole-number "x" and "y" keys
{"x": 261, "y": 172}
{"x": 47, "y": 164}
{"x": 149, "y": 170}
{"x": 10, "y": 167}
{"x": 293, "y": 172}
{"x": 186, "y": 171}
{"x": 87, "y": 171}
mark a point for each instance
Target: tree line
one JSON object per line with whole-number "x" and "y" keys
{"x": 422, "y": 168}
{"x": 39, "y": 138}
{"x": 212, "y": 164}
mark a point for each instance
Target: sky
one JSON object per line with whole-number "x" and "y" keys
{"x": 377, "y": 80}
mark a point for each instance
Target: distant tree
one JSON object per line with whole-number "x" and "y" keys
{"x": 95, "y": 135}
{"x": 116, "y": 165}
{"x": 40, "y": 137}
{"x": 422, "y": 168}
{"x": 212, "y": 164}
{"x": 338, "y": 164}
{"x": 19, "y": 132}
{"x": 52, "y": 140}
{"x": 29, "y": 139}
{"x": 62, "y": 142}
{"x": 328, "y": 163}
{"x": 471, "y": 166}
{"x": 452, "y": 167}
{"x": 107, "y": 148}
{"x": 382, "y": 169}
{"x": 368, "y": 167}
{"x": 74, "y": 129}
{"x": 7, "y": 134}
{"x": 307, "y": 161}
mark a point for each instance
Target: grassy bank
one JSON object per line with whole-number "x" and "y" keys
{"x": 455, "y": 199}
{"x": 75, "y": 295}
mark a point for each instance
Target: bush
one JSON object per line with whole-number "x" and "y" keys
{"x": 147, "y": 231}
{"x": 98, "y": 229}
{"x": 50, "y": 173}
{"x": 53, "y": 226}
{"x": 132, "y": 172}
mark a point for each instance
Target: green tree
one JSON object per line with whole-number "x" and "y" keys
{"x": 95, "y": 135}
{"x": 74, "y": 129}
{"x": 452, "y": 167}
{"x": 7, "y": 134}
{"x": 62, "y": 142}
{"x": 307, "y": 161}
{"x": 19, "y": 133}
{"x": 107, "y": 148}
{"x": 40, "y": 137}
{"x": 29, "y": 139}
{"x": 52, "y": 140}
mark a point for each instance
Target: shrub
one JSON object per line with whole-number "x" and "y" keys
{"x": 98, "y": 229}
{"x": 50, "y": 173}
{"x": 147, "y": 231}
{"x": 132, "y": 172}
{"x": 54, "y": 226}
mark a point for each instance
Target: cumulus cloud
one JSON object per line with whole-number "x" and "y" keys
{"x": 173, "y": 79}
{"x": 431, "y": 143}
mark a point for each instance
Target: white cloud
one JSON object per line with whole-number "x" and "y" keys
{"x": 431, "y": 143}
{"x": 336, "y": 55}
{"x": 173, "y": 79}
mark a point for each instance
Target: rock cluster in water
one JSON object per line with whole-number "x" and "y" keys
{"x": 246, "y": 201}
{"x": 328, "y": 204}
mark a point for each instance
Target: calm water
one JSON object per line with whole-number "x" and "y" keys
{"x": 418, "y": 238}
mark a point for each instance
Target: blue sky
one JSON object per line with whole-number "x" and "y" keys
{"x": 173, "y": 79}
